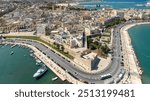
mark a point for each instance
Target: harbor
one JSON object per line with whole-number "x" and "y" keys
{"x": 22, "y": 71}
{"x": 62, "y": 74}
{"x": 79, "y": 45}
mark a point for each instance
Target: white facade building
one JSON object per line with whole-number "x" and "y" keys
{"x": 41, "y": 29}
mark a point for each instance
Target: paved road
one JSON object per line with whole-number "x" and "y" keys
{"x": 114, "y": 67}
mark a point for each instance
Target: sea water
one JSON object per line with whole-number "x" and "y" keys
{"x": 140, "y": 36}
{"x": 19, "y": 67}
{"x": 116, "y": 4}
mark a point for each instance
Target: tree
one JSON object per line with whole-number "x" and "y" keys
{"x": 57, "y": 45}
{"x": 92, "y": 46}
{"x": 89, "y": 41}
{"x": 105, "y": 49}
{"x": 62, "y": 48}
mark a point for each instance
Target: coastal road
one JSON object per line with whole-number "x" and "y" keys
{"x": 114, "y": 68}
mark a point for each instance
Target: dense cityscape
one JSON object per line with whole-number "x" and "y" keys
{"x": 78, "y": 44}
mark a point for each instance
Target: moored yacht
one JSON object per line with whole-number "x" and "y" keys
{"x": 40, "y": 72}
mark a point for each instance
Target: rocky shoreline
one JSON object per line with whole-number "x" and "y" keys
{"x": 133, "y": 70}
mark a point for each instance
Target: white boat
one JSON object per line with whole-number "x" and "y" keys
{"x": 11, "y": 53}
{"x": 55, "y": 78}
{"x": 40, "y": 72}
{"x": 5, "y": 45}
{"x": 139, "y": 4}
{"x": 38, "y": 61}
{"x": 38, "y": 64}
{"x": 31, "y": 55}
{"x": 31, "y": 51}
{"x": 13, "y": 46}
{"x": 147, "y": 4}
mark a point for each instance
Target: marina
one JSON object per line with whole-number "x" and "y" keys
{"x": 22, "y": 71}
{"x": 64, "y": 54}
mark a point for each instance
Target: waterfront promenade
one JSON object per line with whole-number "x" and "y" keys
{"x": 68, "y": 68}
{"x": 75, "y": 75}
{"x": 63, "y": 75}
{"x": 114, "y": 67}
{"x": 133, "y": 70}
{"x": 68, "y": 71}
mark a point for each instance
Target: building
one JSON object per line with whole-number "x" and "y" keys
{"x": 88, "y": 61}
{"x": 58, "y": 39}
{"x": 120, "y": 14}
{"x": 41, "y": 29}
